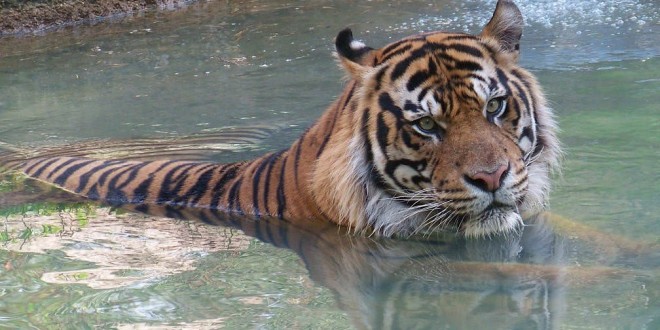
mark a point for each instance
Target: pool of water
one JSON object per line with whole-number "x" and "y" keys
{"x": 213, "y": 65}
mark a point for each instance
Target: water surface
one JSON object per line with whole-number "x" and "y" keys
{"x": 215, "y": 65}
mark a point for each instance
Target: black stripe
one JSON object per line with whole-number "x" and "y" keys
{"x": 540, "y": 145}
{"x": 61, "y": 179}
{"x": 467, "y": 66}
{"x": 391, "y": 47}
{"x": 462, "y": 199}
{"x": 267, "y": 163}
{"x": 422, "y": 94}
{"x": 61, "y": 166}
{"x": 281, "y": 198}
{"x": 477, "y": 77}
{"x": 492, "y": 83}
{"x": 405, "y": 136}
{"x": 386, "y": 103}
{"x": 466, "y": 49}
{"x": 234, "y": 204}
{"x": 328, "y": 134}
{"x": 399, "y": 51}
{"x": 84, "y": 179}
{"x": 348, "y": 96}
{"x": 411, "y": 107}
{"x": 296, "y": 161}
{"x": 195, "y": 193}
{"x": 461, "y": 37}
{"x": 93, "y": 193}
{"x": 132, "y": 174}
{"x": 114, "y": 194}
{"x": 392, "y": 165}
{"x": 167, "y": 194}
{"x": 189, "y": 171}
{"x": 492, "y": 52}
{"x": 523, "y": 94}
{"x": 369, "y": 157}
{"x": 401, "y": 67}
{"x": 417, "y": 79}
{"x": 432, "y": 67}
{"x": 124, "y": 166}
{"x": 444, "y": 106}
{"x": 141, "y": 193}
{"x": 515, "y": 106}
{"x": 528, "y": 86}
{"x": 228, "y": 173}
{"x": 519, "y": 183}
{"x": 379, "y": 77}
{"x": 374, "y": 175}
{"x": 255, "y": 184}
{"x": 382, "y": 132}
{"x": 46, "y": 163}
{"x": 504, "y": 80}
{"x": 269, "y": 174}
{"x": 35, "y": 163}
{"x": 532, "y": 112}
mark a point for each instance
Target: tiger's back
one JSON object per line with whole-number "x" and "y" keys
{"x": 234, "y": 188}
{"x": 438, "y": 130}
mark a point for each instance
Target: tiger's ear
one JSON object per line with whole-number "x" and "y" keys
{"x": 355, "y": 57}
{"x": 505, "y": 27}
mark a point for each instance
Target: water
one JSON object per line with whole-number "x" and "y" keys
{"x": 166, "y": 75}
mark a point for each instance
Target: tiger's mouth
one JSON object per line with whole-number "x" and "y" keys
{"x": 486, "y": 216}
{"x": 497, "y": 206}
{"x": 496, "y": 218}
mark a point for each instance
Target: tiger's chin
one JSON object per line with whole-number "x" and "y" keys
{"x": 496, "y": 221}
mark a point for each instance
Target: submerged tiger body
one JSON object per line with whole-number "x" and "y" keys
{"x": 435, "y": 131}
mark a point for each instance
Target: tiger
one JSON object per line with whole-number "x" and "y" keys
{"x": 436, "y": 131}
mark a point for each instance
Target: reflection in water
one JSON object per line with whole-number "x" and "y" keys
{"x": 514, "y": 281}
{"x": 124, "y": 249}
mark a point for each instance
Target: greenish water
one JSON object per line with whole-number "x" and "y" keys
{"x": 66, "y": 264}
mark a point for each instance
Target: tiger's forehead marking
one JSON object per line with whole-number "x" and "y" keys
{"x": 436, "y": 42}
{"x": 433, "y": 73}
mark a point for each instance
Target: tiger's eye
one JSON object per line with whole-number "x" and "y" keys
{"x": 427, "y": 124}
{"x": 494, "y": 105}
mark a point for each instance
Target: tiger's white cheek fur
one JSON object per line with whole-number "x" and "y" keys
{"x": 525, "y": 145}
{"x": 385, "y": 215}
{"x": 538, "y": 188}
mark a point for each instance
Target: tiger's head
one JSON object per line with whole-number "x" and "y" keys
{"x": 446, "y": 131}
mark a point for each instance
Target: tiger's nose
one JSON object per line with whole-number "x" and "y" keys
{"x": 488, "y": 181}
